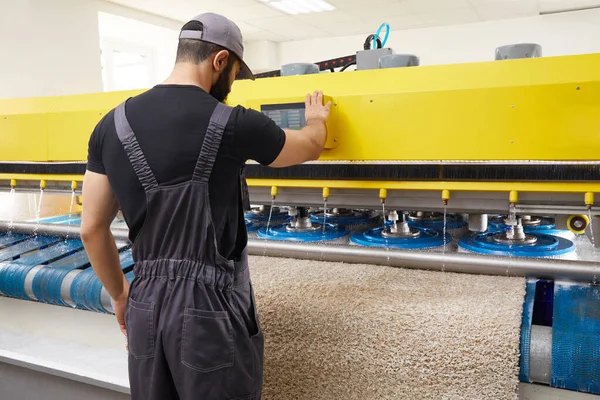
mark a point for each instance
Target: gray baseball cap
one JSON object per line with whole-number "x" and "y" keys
{"x": 223, "y": 32}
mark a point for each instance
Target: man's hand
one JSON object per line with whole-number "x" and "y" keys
{"x": 315, "y": 110}
{"x": 119, "y": 306}
{"x": 308, "y": 143}
{"x": 99, "y": 209}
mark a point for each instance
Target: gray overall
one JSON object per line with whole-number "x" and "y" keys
{"x": 191, "y": 319}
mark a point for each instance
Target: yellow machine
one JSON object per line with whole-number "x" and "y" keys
{"x": 471, "y": 132}
{"x": 411, "y": 153}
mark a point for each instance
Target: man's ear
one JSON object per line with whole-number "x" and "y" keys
{"x": 220, "y": 60}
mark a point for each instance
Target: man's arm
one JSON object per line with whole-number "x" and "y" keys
{"x": 307, "y": 143}
{"x": 99, "y": 210}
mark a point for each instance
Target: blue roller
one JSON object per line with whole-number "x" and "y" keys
{"x": 362, "y": 218}
{"x": 48, "y": 280}
{"x": 7, "y": 240}
{"x": 130, "y": 276}
{"x": 546, "y": 225}
{"x": 427, "y": 238}
{"x": 33, "y": 243}
{"x": 86, "y": 288}
{"x": 279, "y": 232}
{"x": 546, "y": 245}
{"x": 452, "y": 222}
{"x": 13, "y": 273}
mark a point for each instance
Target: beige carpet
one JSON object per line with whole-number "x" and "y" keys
{"x": 342, "y": 331}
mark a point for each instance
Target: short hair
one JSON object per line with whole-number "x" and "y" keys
{"x": 196, "y": 51}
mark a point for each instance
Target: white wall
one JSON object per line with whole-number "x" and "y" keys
{"x": 158, "y": 42}
{"x": 52, "y": 47}
{"x": 558, "y": 34}
{"x": 47, "y": 48}
{"x": 262, "y": 56}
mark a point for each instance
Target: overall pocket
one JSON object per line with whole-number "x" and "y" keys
{"x": 140, "y": 329}
{"x": 207, "y": 340}
{"x": 246, "y": 308}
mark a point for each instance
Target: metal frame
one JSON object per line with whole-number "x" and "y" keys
{"x": 450, "y": 261}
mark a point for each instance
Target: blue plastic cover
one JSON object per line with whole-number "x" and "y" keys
{"x": 576, "y": 337}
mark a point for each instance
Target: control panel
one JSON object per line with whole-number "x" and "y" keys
{"x": 286, "y": 116}
{"x": 289, "y": 113}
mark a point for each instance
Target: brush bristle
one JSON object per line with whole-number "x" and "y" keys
{"x": 389, "y": 171}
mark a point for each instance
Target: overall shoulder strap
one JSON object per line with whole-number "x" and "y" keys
{"x": 212, "y": 141}
{"x": 133, "y": 150}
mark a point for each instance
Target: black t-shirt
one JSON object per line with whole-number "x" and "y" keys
{"x": 169, "y": 122}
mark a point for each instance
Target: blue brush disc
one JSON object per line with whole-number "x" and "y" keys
{"x": 279, "y": 232}
{"x": 427, "y": 238}
{"x": 252, "y": 226}
{"x": 278, "y": 217}
{"x": 356, "y": 218}
{"x": 452, "y": 222}
{"x": 546, "y": 245}
{"x": 545, "y": 226}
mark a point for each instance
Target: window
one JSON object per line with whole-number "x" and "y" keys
{"x": 126, "y": 66}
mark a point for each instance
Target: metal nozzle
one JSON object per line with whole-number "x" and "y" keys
{"x": 589, "y": 200}
{"x": 325, "y": 193}
{"x": 383, "y": 195}
{"x": 445, "y": 196}
{"x": 513, "y": 197}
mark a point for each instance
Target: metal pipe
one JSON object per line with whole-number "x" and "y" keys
{"x": 578, "y": 271}
{"x": 540, "y": 209}
{"x": 58, "y": 230}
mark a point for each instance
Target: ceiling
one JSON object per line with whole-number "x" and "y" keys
{"x": 261, "y": 22}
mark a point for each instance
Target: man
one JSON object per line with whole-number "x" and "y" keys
{"x": 170, "y": 159}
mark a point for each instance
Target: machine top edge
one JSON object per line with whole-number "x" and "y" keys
{"x": 367, "y": 162}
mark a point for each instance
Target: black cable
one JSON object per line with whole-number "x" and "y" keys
{"x": 347, "y": 65}
{"x": 369, "y": 40}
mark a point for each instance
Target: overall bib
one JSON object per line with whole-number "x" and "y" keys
{"x": 192, "y": 326}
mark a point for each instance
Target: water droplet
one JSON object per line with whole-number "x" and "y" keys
{"x": 324, "y": 215}
{"x": 268, "y": 224}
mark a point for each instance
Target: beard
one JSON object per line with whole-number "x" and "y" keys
{"x": 221, "y": 89}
